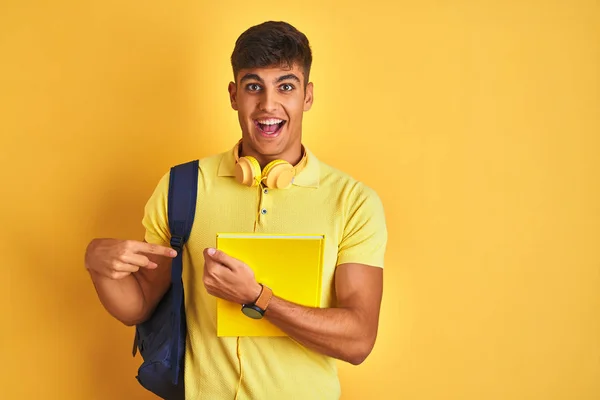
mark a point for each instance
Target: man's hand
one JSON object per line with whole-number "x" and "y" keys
{"x": 229, "y": 278}
{"x": 117, "y": 259}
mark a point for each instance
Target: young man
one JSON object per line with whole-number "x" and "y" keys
{"x": 271, "y": 91}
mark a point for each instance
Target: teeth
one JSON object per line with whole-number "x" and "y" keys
{"x": 270, "y": 121}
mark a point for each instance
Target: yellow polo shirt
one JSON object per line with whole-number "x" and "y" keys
{"x": 321, "y": 200}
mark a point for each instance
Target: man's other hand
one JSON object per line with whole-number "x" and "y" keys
{"x": 229, "y": 278}
{"x": 117, "y": 259}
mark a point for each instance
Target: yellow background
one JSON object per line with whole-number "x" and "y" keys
{"x": 477, "y": 122}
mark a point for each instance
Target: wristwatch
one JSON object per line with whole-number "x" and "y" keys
{"x": 257, "y": 309}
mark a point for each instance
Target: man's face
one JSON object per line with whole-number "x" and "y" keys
{"x": 270, "y": 104}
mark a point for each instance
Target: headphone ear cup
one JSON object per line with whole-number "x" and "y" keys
{"x": 279, "y": 174}
{"x": 247, "y": 171}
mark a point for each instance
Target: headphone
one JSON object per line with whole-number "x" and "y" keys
{"x": 278, "y": 174}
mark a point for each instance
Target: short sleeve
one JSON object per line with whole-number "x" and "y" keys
{"x": 155, "y": 220}
{"x": 365, "y": 233}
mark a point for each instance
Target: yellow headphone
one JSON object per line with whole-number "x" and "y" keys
{"x": 278, "y": 174}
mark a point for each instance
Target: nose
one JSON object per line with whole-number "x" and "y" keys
{"x": 268, "y": 101}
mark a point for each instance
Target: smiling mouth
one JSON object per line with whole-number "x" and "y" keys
{"x": 269, "y": 126}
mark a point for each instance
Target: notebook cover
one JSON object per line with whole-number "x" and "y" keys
{"x": 290, "y": 264}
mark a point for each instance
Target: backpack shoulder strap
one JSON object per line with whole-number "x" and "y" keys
{"x": 183, "y": 191}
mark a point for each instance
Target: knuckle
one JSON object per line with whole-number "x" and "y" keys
{"x": 122, "y": 253}
{"x": 115, "y": 274}
{"x": 115, "y": 266}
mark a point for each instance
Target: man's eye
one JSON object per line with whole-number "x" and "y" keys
{"x": 286, "y": 87}
{"x": 253, "y": 87}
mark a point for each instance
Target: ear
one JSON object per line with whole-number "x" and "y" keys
{"x": 308, "y": 97}
{"x": 233, "y": 95}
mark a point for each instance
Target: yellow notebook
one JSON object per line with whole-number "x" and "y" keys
{"x": 291, "y": 265}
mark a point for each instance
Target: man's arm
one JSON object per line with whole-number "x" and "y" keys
{"x": 346, "y": 332}
{"x": 130, "y": 277}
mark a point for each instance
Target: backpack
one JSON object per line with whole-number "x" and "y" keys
{"x": 161, "y": 338}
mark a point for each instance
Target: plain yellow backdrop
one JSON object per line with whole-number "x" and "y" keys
{"x": 476, "y": 121}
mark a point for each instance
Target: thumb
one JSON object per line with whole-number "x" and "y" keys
{"x": 213, "y": 253}
{"x": 220, "y": 257}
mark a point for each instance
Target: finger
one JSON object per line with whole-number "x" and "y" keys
{"x": 211, "y": 266}
{"x": 152, "y": 248}
{"x": 219, "y": 257}
{"x": 138, "y": 260}
{"x": 118, "y": 275}
{"x": 124, "y": 267}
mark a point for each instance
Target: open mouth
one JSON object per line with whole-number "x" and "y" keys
{"x": 269, "y": 126}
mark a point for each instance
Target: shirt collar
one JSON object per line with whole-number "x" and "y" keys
{"x": 308, "y": 177}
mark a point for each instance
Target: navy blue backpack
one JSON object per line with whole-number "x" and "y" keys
{"x": 161, "y": 339}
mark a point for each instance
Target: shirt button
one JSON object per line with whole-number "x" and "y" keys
{"x": 266, "y": 191}
{"x": 263, "y": 211}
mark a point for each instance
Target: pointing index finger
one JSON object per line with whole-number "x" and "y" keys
{"x": 152, "y": 248}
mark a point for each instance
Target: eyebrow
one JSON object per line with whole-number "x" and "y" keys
{"x": 248, "y": 77}
{"x": 286, "y": 77}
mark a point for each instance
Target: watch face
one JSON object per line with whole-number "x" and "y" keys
{"x": 252, "y": 312}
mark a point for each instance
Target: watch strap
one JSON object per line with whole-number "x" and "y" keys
{"x": 266, "y": 294}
